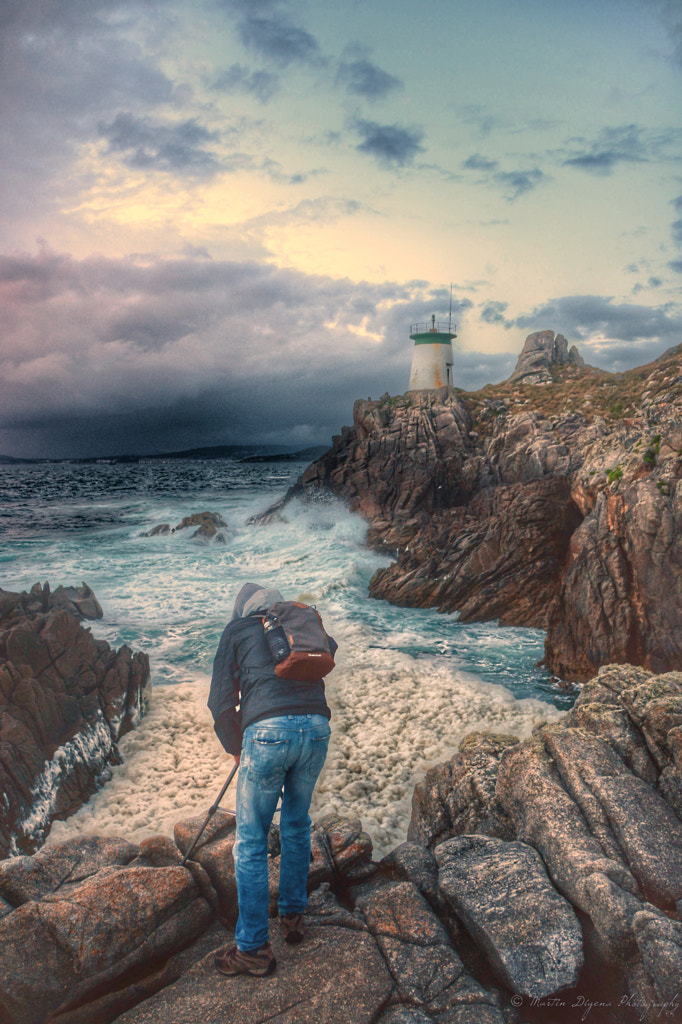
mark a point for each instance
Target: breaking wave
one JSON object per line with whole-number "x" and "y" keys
{"x": 409, "y": 683}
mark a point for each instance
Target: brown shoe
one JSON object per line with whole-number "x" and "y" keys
{"x": 258, "y": 963}
{"x": 293, "y": 928}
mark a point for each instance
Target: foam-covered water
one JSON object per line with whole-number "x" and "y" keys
{"x": 409, "y": 683}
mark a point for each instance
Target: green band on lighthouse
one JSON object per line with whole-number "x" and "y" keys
{"x": 432, "y": 338}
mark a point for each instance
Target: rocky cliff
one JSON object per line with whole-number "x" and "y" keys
{"x": 541, "y": 884}
{"x": 65, "y": 701}
{"x": 556, "y": 506}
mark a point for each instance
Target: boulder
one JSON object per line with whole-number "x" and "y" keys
{"x": 659, "y": 941}
{"x": 459, "y": 796}
{"x": 426, "y": 969}
{"x": 501, "y": 892}
{"x": 593, "y": 794}
{"x": 340, "y": 852}
{"x": 335, "y": 976}
{"x": 29, "y": 879}
{"x": 94, "y": 933}
{"x": 209, "y": 525}
{"x": 540, "y": 351}
{"x": 65, "y": 701}
{"x": 78, "y": 601}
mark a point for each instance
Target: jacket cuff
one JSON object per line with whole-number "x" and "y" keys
{"x": 229, "y": 731}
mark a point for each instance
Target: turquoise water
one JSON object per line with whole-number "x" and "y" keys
{"x": 409, "y": 682}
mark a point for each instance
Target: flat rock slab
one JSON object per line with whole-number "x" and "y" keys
{"x": 337, "y": 976}
{"x": 502, "y": 893}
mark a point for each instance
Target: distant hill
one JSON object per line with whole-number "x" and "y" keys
{"x": 237, "y": 452}
{"x": 304, "y": 455}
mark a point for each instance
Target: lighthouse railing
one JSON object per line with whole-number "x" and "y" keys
{"x": 433, "y": 327}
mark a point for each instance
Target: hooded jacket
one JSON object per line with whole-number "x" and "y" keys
{"x": 244, "y": 687}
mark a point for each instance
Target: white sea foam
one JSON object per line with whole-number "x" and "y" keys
{"x": 409, "y": 682}
{"x": 393, "y": 717}
{"x": 90, "y": 747}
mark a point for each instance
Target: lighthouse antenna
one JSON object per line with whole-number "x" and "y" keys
{"x": 450, "y": 317}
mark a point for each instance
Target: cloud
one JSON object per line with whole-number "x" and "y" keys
{"x": 361, "y": 77}
{"x": 625, "y": 144}
{"x": 138, "y": 354}
{"x": 676, "y": 226}
{"x": 391, "y": 144}
{"x": 279, "y": 40}
{"x": 672, "y": 19}
{"x": 493, "y": 312}
{"x": 514, "y": 183}
{"x": 63, "y": 68}
{"x": 146, "y": 143}
{"x": 237, "y": 78}
{"x": 518, "y": 183}
{"x": 476, "y": 162}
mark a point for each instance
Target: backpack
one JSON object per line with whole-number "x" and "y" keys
{"x": 300, "y": 647}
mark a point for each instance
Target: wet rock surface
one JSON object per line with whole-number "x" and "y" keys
{"x": 207, "y": 526}
{"x": 595, "y": 795}
{"x": 65, "y": 701}
{"x": 542, "y": 879}
{"x": 553, "y": 500}
{"x": 501, "y": 892}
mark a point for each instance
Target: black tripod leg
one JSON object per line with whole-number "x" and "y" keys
{"x": 214, "y": 807}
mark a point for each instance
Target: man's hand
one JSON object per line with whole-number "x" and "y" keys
{"x": 236, "y": 758}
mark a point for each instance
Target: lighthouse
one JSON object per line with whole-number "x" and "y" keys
{"x": 432, "y": 359}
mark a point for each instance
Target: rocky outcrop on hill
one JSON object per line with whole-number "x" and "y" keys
{"x": 65, "y": 701}
{"x": 557, "y": 507}
{"x": 542, "y": 882}
{"x": 541, "y": 351}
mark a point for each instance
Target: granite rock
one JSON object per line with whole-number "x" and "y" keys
{"x": 530, "y": 512}
{"x": 501, "y": 892}
{"x": 65, "y": 701}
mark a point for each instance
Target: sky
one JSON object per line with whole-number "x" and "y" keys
{"x": 219, "y": 219}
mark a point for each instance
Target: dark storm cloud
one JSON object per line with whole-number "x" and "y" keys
{"x": 279, "y": 40}
{"x": 237, "y": 78}
{"x": 476, "y": 162}
{"x": 391, "y": 144}
{"x": 63, "y": 68}
{"x": 361, "y": 77}
{"x": 145, "y": 143}
{"x": 613, "y": 336}
{"x": 112, "y": 349}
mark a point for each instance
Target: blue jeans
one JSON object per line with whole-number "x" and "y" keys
{"x": 285, "y": 756}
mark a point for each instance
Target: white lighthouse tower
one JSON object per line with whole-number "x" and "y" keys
{"x": 432, "y": 360}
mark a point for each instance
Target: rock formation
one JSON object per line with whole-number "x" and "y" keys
{"x": 65, "y": 701}
{"x": 541, "y": 881}
{"x": 541, "y": 351}
{"x": 557, "y": 507}
{"x": 210, "y": 526}
{"x": 599, "y": 797}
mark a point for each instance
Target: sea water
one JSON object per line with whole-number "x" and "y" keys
{"x": 408, "y": 685}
